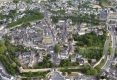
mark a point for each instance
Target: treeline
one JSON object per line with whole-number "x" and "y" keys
{"x": 12, "y": 49}
{"x": 91, "y": 19}
{"x": 35, "y": 74}
{"x": 7, "y": 65}
{"x": 31, "y": 15}
{"x": 93, "y": 71}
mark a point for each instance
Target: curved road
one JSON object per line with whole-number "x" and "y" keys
{"x": 113, "y": 46}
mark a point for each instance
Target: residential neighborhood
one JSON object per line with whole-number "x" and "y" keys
{"x": 58, "y": 39}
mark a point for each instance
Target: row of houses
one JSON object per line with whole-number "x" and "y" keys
{"x": 5, "y": 76}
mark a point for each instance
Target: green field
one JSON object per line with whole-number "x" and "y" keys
{"x": 105, "y": 4}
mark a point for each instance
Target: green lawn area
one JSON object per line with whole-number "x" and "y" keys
{"x": 105, "y": 4}
{"x": 73, "y": 74}
{"x": 81, "y": 51}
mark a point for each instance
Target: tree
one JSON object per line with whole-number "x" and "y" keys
{"x": 98, "y": 77}
{"x": 63, "y": 73}
{"x": 98, "y": 68}
{"x": 57, "y": 48}
{"x": 88, "y": 72}
{"x": 69, "y": 72}
{"x": 15, "y": 1}
{"x": 48, "y": 65}
{"x": 14, "y": 64}
{"x": 30, "y": 74}
{"x": 2, "y": 47}
{"x": 93, "y": 71}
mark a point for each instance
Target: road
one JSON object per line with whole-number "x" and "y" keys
{"x": 113, "y": 46}
{"x": 106, "y": 47}
{"x": 21, "y": 70}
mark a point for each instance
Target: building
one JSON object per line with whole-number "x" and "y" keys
{"x": 5, "y": 76}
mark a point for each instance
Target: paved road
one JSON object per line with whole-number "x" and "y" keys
{"x": 33, "y": 70}
{"x": 106, "y": 50}
{"x": 113, "y": 46}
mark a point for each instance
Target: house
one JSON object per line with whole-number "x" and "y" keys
{"x": 81, "y": 32}
{"x": 73, "y": 59}
{"x": 47, "y": 40}
{"x": 82, "y": 61}
{"x": 100, "y": 33}
{"x": 26, "y": 61}
{"x": 69, "y": 21}
{"x": 5, "y": 76}
{"x": 31, "y": 63}
{"x": 26, "y": 54}
{"x": 93, "y": 60}
{"x": 40, "y": 59}
{"x": 71, "y": 49}
{"x": 69, "y": 28}
{"x": 78, "y": 56}
{"x": 64, "y": 56}
{"x": 83, "y": 25}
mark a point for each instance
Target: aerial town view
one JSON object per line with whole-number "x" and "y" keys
{"x": 58, "y": 39}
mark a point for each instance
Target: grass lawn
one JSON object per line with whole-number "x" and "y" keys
{"x": 81, "y": 51}
{"x": 105, "y": 4}
{"x": 73, "y": 74}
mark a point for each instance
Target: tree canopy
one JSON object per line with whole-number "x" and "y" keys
{"x": 31, "y": 15}
{"x": 2, "y": 47}
{"x": 91, "y": 72}
{"x": 57, "y": 48}
{"x": 90, "y": 39}
{"x": 14, "y": 64}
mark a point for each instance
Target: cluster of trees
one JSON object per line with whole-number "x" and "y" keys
{"x": 65, "y": 70}
{"x": 2, "y": 47}
{"x": 46, "y": 63}
{"x": 12, "y": 49}
{"x": 57, "y": 12}
{"x": 90, "y": 39}
{"x": 93, "y": 53}
{"x": 31, "y": 15}
{"x": 90, "y": 19}
{"x": 27, "y": 1}
{"x": 93, "y": 71}
{"x": 67, "y": 62}
{"x": 35, "y": 74}
{"x": 7, "y": 65}
{"x": 11, "y": 14}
